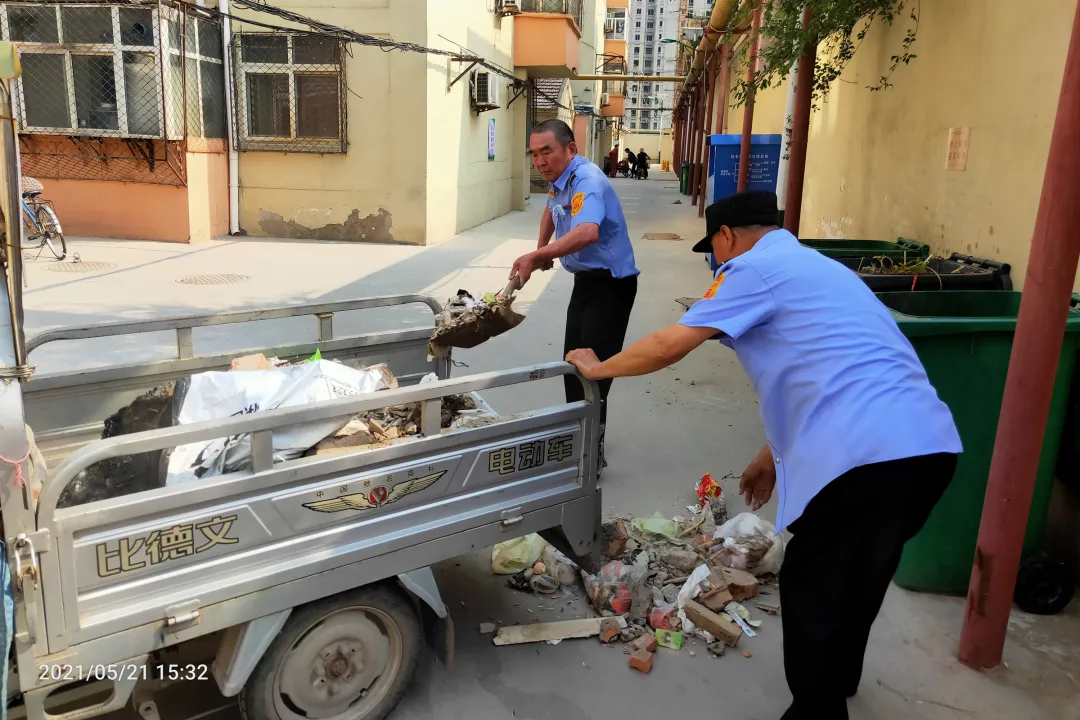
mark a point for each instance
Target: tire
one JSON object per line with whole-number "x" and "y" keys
{"x": 1043, "y": 586}
{"x": 50, "y": 231}
{"x": 319, "y": 647}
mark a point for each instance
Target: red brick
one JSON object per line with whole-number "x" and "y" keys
{"x": 645, "y": 643}
{"x": 641, "y": 661}
{"x": 609, "y": 630}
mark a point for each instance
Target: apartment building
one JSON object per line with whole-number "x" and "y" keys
{"x": 167, "y": 120}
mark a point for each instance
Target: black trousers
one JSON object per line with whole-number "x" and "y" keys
{"x": 837, "y": 567}
{"x": 596, "y": 318}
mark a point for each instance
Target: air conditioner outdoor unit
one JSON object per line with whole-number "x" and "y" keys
{"x": 485, "y": 90}
{"x": 509, "y": 7}
{"x": 605, "y": 99}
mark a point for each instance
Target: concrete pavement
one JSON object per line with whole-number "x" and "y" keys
{"x": 665, "y": 431}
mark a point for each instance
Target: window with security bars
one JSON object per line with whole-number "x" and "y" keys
{"x": 98, "y": 70}
{"x": 290, "y": 93}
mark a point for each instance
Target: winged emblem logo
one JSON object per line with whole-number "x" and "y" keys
{"x": 377, "y": 497}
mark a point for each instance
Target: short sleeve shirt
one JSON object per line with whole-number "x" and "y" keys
{"x": 582, "y": 194}
{"x": 839, "y": 385}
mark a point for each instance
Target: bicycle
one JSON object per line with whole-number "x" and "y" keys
{"x": 40, "y": 218}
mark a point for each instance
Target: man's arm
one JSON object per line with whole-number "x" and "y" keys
{"x": 544, "y": 255}
{"x": 655, "y": 352}
{"x": 547, "y": 229}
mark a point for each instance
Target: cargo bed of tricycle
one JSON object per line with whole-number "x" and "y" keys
{"x": 111, "y": 583}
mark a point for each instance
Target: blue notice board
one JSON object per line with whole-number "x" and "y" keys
{"x": 724, "y": 164}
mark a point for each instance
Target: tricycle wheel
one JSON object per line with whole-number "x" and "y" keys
{"x": 1043, "y": 586}
{"x": 346, "y": 657}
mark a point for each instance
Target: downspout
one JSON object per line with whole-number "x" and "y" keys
{"x": 718, "y": 22}
{"x": 748, "y": 110}
{"x": 234, "y": 156}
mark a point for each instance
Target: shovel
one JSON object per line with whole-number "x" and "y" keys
{"x": 476, "y": 326}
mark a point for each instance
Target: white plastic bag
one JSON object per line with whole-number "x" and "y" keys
{"x": 220, "y": 395}
{"x": 689, "y": 591}
{"x": 751, "y": 544}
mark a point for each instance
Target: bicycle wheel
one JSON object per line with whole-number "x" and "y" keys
{"x": 51, "y": 233}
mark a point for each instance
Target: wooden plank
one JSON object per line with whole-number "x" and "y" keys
{"x": 546, "y": 632}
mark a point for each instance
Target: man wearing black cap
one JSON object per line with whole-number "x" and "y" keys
{"x": 859, "y": 447}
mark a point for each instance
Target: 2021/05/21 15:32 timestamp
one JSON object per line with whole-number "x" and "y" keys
{"x": 115, "y": 672}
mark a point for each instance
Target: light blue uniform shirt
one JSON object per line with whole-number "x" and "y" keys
{"x": 838, "y": 384}
{"x": 582, "y": 194}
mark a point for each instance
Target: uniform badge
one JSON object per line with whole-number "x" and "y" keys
{"x": 711, "y": 292}
{"x": 551, "y": 193}
{"x": 577, "y": 203}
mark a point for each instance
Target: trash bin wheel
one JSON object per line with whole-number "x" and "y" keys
{"x": 346, "y": 657}
{"x": 1043, "y": 586}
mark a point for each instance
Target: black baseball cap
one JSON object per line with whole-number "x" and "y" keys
{"x": 757, "y": 207}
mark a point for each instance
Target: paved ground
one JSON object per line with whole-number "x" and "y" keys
{"x": 665, "y": 431}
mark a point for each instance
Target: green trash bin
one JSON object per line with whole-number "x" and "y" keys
{"x": 898, "y": 250}
{"x": 684, "y": 179}
{"x": 964, "y": 339}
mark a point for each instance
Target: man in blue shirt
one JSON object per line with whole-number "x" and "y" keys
{"x": 859, "y": 449}
{"x": 585, "y": 216}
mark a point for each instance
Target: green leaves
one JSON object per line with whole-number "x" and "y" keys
{"x": 832, "y": 28}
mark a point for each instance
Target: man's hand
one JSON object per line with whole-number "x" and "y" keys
{"x": 759, "y": 479}
{"x": 586, "y": 362}
{"x": 523, "y": 268}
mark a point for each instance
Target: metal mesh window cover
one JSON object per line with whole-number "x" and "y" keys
{"x": 574, "y": 8}
{"x": 123, "y": 71}
{"x": 116, "y": 91}
{"x": 289, "y": 91}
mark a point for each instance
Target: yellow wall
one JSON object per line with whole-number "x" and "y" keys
{"x": 768, "y": 107}
{"x": 464, "y": 188}
{"x": 381, "y": 181}
{"x": 651, "y": 143}
{"x": 876, "y": 160}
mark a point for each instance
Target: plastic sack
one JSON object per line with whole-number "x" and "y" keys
{"x": 689, "y": 591}
{"x": 749, "y": 543}
{"x": 513, "y": 556}
{"x": 220, "y": 395}
{"x": 657, "y": 526}
{"x": 619, "y": 588}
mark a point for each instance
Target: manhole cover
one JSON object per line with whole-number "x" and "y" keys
{"x": 662, "y": 236}
{"x": 214, "y": 279}
{"x": 83, "y": 266}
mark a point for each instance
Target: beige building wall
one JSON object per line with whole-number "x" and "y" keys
{"x": 464, "y": 188}
{"x": 587, "y": 92}
{"x": 375, "y": 192}
{"x": 876, "y": 160}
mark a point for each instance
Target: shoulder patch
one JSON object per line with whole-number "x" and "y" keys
{"x": 711, "y": 292}
{"x": 551, "y": 193}
{"x": 577, "y": 203}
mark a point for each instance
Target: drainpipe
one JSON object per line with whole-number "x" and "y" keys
{"x": 234, "y": 157}
{"x": 718, "y": 22}
{"x": 748, "y": 110}
{"x": 695, "y": 150}
{"x": 710, "y": 89}
{"x": 1029, "y": 385}
{"x": 800, "y": 131}
{"x": 785, "y": 147}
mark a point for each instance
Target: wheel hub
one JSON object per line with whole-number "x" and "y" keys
{"x": 334, "y": 665}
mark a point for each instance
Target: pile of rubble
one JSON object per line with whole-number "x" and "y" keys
{"x": 668, "y": 580}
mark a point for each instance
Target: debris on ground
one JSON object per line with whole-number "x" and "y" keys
{"x": 487, "y": 628}
{"x": 748, "y": 542}
{"x": 609, "y": 630}
{"x": 721, "y": 627}
{"x": 716, "y": 648}
{"x": 671, "y": 639}
{"x": 646, "y": 643}
{"x": 641, "y": 661}
{"x": 465, "y": 322}
{"x": 514, "y": 556}
{"x": 770, "y": 608}
{"x": 553, "y": 631}
{"x": 741, "y": 584}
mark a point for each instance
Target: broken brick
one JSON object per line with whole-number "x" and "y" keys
{"x": 257, "y": 361}
{"x": 768, "y": 607}
{"x": 609, "y": 630}
{"x": 645, "y": 643}
{"x": 684, "y": 560}
{"x": 641, "y": 661}
{"x": 722, "y": 627}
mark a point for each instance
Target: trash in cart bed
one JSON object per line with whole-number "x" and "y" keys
{"x": 219, "y": 395}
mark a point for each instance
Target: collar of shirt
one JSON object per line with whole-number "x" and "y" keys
{"x": 764, "y": 243}
{"x": 560, "y": 184}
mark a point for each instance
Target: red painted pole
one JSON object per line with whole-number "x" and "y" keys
{"x": 1055, "y": 249}
{"x": 748, "y": 110}
{"x": 710, "y": 88}
{"x": 800, "y": 132}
